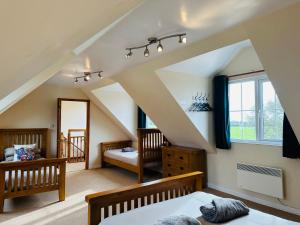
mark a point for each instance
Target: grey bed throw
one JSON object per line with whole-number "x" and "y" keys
{"x": 178, "y": 220}
{"x": 221, "y": 210}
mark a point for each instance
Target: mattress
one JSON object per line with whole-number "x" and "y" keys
{"x": 188, "y": 205}
{"x": 126, "y": 157}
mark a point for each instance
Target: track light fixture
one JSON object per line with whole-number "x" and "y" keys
{"x": 154, "y": 40}
{"x": 128, "y": 54}
{"x": 146, "y": 52}
{"x": 87, "y": 76}
{"x": 182, "y": 39}
{"x": 160, "y": 47}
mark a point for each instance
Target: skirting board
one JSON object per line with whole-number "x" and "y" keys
{"x": 256, "y": 200}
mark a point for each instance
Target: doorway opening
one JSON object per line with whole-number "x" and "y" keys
{"x": 73, "y": 124}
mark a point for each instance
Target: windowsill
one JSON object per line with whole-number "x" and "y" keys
{"x": 271, "y": 143}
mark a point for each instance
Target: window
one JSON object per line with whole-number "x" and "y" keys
{"x": 255, "y": 111}
{"x": 149, "y": 123}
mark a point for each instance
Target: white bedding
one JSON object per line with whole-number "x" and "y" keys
{"x": 187, "y": 205}
{"x": 126, "y": 157}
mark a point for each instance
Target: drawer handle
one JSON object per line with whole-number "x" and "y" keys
{"x": 181, "y": 168}
{"x": 169, "y": 174}
{"x": 181, "y": 157}
{"x": 169, "y": 155}
{"x": 169, "y": 165}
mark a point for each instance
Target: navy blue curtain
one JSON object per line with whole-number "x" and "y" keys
{"x": 141, "y": 118}
{"x": 290, "y": 144}
{"x": 221, "y": 112}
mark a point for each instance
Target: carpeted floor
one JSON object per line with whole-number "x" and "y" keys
{"x": 44, "y": 208}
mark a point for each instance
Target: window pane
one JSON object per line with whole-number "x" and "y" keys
{"x": 235, "y": 97}
{"x": 279, "y": 124}
{"x": 269, "y": 124}
{"x": 249, "y": 125}
{"x": 268, "y": 96}
{"x": 278, "y": 105}
{"x": 235, "y": 125}
{"x": 272, "y": 113}
{"x": 248, "y": 95}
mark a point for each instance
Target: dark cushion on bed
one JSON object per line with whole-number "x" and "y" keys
{"x": 128, "y": 149}
{"x": 9, "y": 159}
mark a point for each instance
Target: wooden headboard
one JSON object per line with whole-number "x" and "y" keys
{"x": 9, "y": 137}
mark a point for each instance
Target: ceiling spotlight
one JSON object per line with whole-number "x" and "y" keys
{"x": 88, "y": 77}
{"x": 85, "y": 79}
{"x": 128, "y": 54}
{"x": 182, "y": 39}
{"x": 146, "y": 52}
{"x": 99, "y": 75}
{"x": 159, "y": 47}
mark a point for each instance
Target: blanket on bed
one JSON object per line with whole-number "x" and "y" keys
{"x": 221, "y": 210}
{"x": 178, "y": 220}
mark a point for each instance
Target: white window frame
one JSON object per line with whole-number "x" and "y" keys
{"x": 258, "y": 112}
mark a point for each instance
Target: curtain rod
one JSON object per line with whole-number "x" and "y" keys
{"x": 242, "y": 74}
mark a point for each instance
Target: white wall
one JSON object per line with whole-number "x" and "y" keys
{"x": 119, "y": 104}
{"x": 39, "y": 110}
{"x": 73, "y": 116}
{"x": 183, "y": 86}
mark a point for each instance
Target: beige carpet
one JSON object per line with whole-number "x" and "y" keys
{"x": 44, "y": 208}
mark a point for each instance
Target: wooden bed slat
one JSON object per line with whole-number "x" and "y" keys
{"x": 29, "y": 177}
{"x": 144, "y": 192}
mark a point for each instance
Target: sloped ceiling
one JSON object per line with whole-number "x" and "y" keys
{"x": 208, "y": 64}
{"x": 153, "y": 97}
{"x": 120, "y": 106}
{"x": 38, "y": 34}
{"x": 275, "y": 38}
{"x": 199, "y": 19}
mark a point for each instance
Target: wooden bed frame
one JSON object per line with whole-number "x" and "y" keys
{"x": 150, "y": 143}
{"x": 109, "y": 203}
{"x": 35, "y": 182}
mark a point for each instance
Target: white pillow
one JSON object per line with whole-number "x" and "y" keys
{"x": 15, "y": 157}
{"x": 31, "y": 146}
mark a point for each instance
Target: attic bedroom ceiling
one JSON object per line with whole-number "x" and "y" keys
{"x": 39, "y": 34}
{"x": 199, "y": 19}
{"x": 52, "y": 34}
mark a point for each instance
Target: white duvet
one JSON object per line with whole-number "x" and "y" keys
{"x": 127, "y": 157}
{"x": 187, "y": 205}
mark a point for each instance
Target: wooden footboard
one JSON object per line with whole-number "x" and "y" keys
{"x": 150, "y": 142}
{"x": 109, "y": 203}
{"x": 31, "y": 177}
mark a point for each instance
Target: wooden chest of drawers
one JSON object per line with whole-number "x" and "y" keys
{"x": 179, "y": 160}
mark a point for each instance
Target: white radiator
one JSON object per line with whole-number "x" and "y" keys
{"x": 264, "y": 180}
